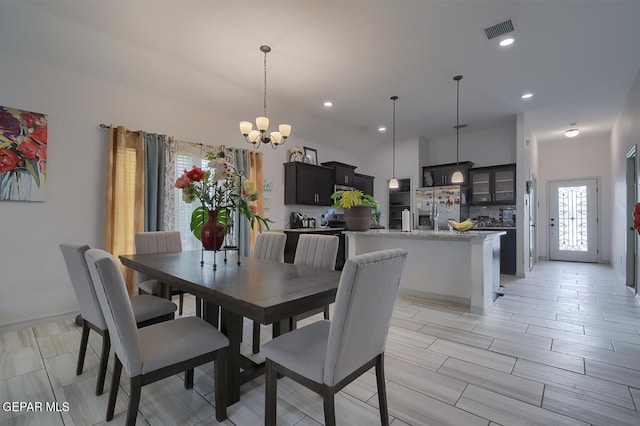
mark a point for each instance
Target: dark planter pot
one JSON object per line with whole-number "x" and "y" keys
{"x": 358, "y": 218}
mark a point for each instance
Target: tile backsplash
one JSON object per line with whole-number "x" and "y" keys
{"x": 497, "y": 214}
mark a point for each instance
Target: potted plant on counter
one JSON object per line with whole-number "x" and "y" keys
{"x": 357, "y": 208}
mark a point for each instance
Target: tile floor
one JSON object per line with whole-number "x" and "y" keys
{"x": 561, "y": 347}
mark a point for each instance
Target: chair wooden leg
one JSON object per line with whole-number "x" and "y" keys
{"x": 115, "y": 383}
{"x": 199, "y": 307}
{"x": 104, "y": 359}
{"x": 84, "y": 340}
{"x": 188, "y": 378}
{"x": 271, "y": 394}
{"x": 329, "y": 410}
{"x": 382, "y": 391}
{"x": 256, "y": 337}
{"x": 221, "y": 384}
{"x": 181, "y": 305}
{"x": 326, "y": 312}
{"x": 134, "y": 400}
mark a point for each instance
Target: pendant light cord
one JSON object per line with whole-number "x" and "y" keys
{"x": 394, "y": 136}
{"x": 457, "y": 121}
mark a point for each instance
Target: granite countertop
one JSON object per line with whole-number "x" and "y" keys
{"x": 428, "y": 235}
{"x": 323, "y": 229}
{"x": 492, "y": 228}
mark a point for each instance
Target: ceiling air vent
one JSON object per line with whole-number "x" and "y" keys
{"x": 499, "y": 29}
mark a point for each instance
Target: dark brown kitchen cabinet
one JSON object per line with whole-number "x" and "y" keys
{"x": 363, "y": 182}
{"x": 307, "y": 184}
{"x": 343, "y": 173}
{"x": 441, "y": 174}
{"x": 493, "y": 185}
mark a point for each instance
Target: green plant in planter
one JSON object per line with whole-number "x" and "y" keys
{"x": 357, "y": 208}
{"x": 355, "y": 197}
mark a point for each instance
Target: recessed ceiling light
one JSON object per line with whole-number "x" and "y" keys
{"x": 382, "y": 129}
{"x": 507, "y": 41}
{"x": 328, "y": 103}
{"x": 572, "y": 133}
{"x": 527, "y": 95}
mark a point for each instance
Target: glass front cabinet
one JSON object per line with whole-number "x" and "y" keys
{"x": 493, "y": 185}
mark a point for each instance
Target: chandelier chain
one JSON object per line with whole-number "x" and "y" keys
{"x": 265, "y": 84}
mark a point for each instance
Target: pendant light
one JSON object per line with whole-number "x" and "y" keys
{"x": 393, "y": 183}
{"x": 457, "y": 176}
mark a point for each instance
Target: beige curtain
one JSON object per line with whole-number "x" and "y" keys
{"x": 124, "y": 207}
{"x": 255, "y": 174}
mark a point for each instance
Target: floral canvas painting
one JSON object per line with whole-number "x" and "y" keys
{"x": 23, "y": 155}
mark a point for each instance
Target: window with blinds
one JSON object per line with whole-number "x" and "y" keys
{"x": 184, "y": 210}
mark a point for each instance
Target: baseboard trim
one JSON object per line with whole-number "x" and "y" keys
{"x": 37, "y": 321}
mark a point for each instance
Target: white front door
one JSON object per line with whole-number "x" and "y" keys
{"x": 573, "y": 220}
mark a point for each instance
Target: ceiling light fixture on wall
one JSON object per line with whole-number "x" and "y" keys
{"x": 259, "y": 136}
{"x": 393, "y": 183}
{"x": 457, "y": 176}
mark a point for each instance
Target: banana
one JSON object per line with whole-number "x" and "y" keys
{"x": 462, "y": 226}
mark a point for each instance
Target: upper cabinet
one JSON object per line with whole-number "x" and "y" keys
{"x": 493, "y": 185}
{"x": 307, "y": 184}
{"x": 441, "y": 174}
{"x": 363, "y": 182}
{"x": 343, "y": 173}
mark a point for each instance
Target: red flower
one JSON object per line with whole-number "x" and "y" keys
{"x": 8, "y": 160}
{"x": 39, "y": 135}
{"x": 183, "y": 181}
{"x": 29, "y": 149}
{"x": 636, "y": 218}
{"x": 196, "y": 174}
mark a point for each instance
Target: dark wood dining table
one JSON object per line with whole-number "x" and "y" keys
{"x": 264, "y": 291}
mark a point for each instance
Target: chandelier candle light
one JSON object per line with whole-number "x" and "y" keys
{"x": 258, "y": 136}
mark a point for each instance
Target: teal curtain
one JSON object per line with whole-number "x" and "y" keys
{"x": 154, "y": 163}
{"x": 244, "y": 226}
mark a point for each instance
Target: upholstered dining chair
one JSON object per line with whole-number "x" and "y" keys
{"x": 160, "y": 242}
{"x": 147, "y": 309}
{"x": 325, "y": 356}
{"x": 318, "y": 251}
{"x": 155, "y": 352}
{"x": 268, "y": 246}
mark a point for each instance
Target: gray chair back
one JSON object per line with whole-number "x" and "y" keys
{"x": 362, "y": 312}
{"x": 318, "y": 251}
{"x": 156, "y": 242}
{"x": 114, "y": 300}
{"x": 73, "y": 254}
{"x": 269, "y": 246}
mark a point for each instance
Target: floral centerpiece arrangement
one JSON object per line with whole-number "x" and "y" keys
{"x": 221, "y": 190}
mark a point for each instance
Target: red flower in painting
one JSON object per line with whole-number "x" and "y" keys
{"x": 196, "y": 174}
{"x": 9, "y": 125}
{"x": 39, "y": 135}
{"x": 8, "y": 160}
{"x": 636, "y": 218}
{"x": 29, "y": 149}
{"x": 28, "y": 119}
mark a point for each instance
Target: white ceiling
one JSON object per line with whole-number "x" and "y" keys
{"x": 578, "y": 57}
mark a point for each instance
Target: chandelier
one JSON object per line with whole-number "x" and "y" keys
{"x": 258, "y": 136}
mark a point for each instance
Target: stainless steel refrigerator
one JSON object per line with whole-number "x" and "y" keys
{"x": 444, "y": 201}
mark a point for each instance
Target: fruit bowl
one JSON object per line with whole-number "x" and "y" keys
{"x": 462, "y": 226}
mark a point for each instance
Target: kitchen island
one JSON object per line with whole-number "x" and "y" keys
{"x": 457, "y": 267}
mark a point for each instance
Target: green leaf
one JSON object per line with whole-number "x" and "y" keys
{"x": 31, "y": 168}
{"x": 198, "y": 218}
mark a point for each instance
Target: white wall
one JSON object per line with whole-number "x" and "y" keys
{"x": 625, "y": 134}
{"x": 581, "y": 157}
{"x": 34, "y": 280}
{"x": 489, "y": 146}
